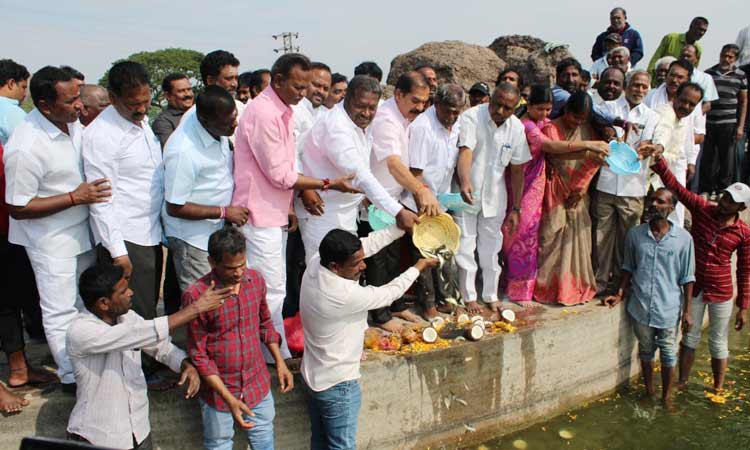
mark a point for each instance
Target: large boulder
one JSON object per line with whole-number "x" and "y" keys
{"x": 454, "y": 62}
{"x": 527, "y": 54}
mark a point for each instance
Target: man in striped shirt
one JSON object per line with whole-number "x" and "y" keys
{"x": 718, "y": 232}
{"x": 725, "y": 123}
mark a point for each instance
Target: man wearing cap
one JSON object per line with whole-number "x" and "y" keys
{"x": 718, "y": 232}
{"x": 629, "y": 37}
{"x": 611, "y": 41}
{"x": 479, "y": 93}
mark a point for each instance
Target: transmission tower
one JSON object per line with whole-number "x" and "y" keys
{"x": 287, "y": 38}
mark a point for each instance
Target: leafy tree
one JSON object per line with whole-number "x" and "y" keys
{"x": 161, "y": 63}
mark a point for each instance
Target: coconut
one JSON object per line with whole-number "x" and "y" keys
{"x": 463, "y": 318}
{"x": 565, "y": 434}
{"x": 508, "y": 315}
{"x": 520, "y": 444}
{"x": 477, "y": 318}
{"x": 475, "y": 332}
{"x": 437, "y": 322}
{"x": 429, "y": 335}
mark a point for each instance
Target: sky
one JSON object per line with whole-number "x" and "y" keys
{"x": 90, "y": 34}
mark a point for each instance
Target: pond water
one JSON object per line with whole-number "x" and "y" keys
{"x": 625, "y": 421}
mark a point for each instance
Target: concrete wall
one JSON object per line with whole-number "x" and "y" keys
{"x": 563, "y": 358}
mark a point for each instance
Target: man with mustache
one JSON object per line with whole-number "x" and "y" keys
{"x": 225, "y": 346}
{"x": 265, "y": 177}
{"x": 120, "y": 146}
{"x": 389, "y": 163}
{"x": 725, "y": 123}
{"x": 690, "y": 53}
{"x": 619, "y": 199}
{"x": 334, "y": 317}
{"x": 337, "y": 146}
{"x": 609, "y": 87}
{"x": 48, "y": 200}
{"x": 718, "y": 232}
{"x": 658, "y": 270}
{"x": 680, "y": 135}
{"x": 672, "y": 43}
{"x": 179, "y": 94}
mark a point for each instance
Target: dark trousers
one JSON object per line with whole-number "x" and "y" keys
{"x": 146, "y": 444}
{"x": 172, "y": 292}
{"x": 718, "y": 158}
{"x": 145, "y": 281}
{"x": 295, "y": 268}
{"x": 11, "y": 323}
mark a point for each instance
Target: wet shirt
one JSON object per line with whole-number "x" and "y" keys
{"x": 658, "y": 269}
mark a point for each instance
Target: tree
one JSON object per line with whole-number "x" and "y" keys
{"x": 161, "y": 63}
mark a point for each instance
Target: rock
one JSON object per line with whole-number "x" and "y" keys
{"x": 454, "y": 62}
{"x": 527, "y": 55}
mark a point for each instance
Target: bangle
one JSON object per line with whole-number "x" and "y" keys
{"x": 72, "y": 200}
{"x": 223, "y": 212}
{"x": 326, "y": 184}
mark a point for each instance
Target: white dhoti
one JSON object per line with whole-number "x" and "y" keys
{"x": 486, "y": 234}
{"x": 315, "y": 228}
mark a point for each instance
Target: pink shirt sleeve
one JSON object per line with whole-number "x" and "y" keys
{"x": 267, "y": 144}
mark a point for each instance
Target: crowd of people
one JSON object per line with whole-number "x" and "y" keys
{"x": 259, "y": 187}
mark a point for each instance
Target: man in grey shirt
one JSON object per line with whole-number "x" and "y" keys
{"x": 658, "y": 269}
{"x": 179, "y": 95}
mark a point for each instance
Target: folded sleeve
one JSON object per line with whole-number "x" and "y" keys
{"x": 23, "y": 173}
{"x": 179, "y": 174}
{"x": 90, "y": 338}
{"x": 467, "y": 135}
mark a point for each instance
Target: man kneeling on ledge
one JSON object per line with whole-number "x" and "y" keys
{"x": 658, "y": 269}
{"x": 334, "y": 317}
{"x": 104, "y": 343}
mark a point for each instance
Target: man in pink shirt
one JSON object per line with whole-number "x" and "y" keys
{"x": 265, "y": 177}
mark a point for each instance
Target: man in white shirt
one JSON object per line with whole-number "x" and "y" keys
{"x": 692, "y": 128}
{"x": 308, "y": 110}
{"x": 47, "y": 197}
{"x": 199, "y": 184}
{"x": 221, "y": 68}
{"x": 743, "y": 42}
{"x": 105, "y": 342}
{"x": 433, "y": 153}
{"x": 390, "y": 166}
{"x": 334, "y": 317}
{"x": 609, "y": 87}
{"x": 490, "y": 139}
{"x": 339, "y": 146}
{"x": 120, "y": 146}
{"x": 612, "y": 40}
{"x": 706, "y": 81}
{"x": 619, "y": 200}
{"x": 338, "y": 90}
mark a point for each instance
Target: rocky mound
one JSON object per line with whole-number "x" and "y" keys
{"x": 454, "y": 62}
{"x": 527, "y": 54}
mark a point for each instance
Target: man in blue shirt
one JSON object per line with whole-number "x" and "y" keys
{"x": 199, "y": 183}
{"x": 14, "y": 79}
{"x": 618, "y": 20}
{"x": 658, "y": 269}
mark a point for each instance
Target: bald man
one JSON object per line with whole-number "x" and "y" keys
{"x": 94, "y": 99}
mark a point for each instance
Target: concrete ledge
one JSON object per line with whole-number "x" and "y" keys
{"x": 565, "y": 356}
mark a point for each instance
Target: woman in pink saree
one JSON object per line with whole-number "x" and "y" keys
{"x": 520, "y": 248}
{"x": 565, "y": 274}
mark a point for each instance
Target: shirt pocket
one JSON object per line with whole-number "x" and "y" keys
{"x": 505, "y": 153}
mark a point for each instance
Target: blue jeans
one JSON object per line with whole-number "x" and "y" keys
{"x": 650, "y": 338}
{"x": 333, "y": 416}
{"x": 218, "y": 426}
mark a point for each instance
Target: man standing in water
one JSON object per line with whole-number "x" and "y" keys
{"x": 658, "y": 268}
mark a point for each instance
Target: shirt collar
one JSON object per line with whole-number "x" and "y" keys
{"x": 9, "y": 100}
{"x": 122, "y": 123}
{"x": 671, "y": 233}
{"x": 339, "y": 109}
{"x": 206, "y": 139}
{"x": 44, "y": 123}
{"x": 391, "y": 106}
{"x": 276, "y": 101}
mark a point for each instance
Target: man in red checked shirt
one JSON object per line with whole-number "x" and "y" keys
{"x": 225, "y": 348}
{"x": 717, "y": 232}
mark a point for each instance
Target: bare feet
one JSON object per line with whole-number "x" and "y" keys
{"x": 29, "y": 375}
{"x": 408, "y": 316}
{"x": 392, "y": 326}
{"x": 10, "y": 403}
{"x": 496, "y": 310}
{"x": 525, "y": 304}
{"x": 445, "y": 308}
{"x": 473, "y": 308}
{"x": 430, "y": 313}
